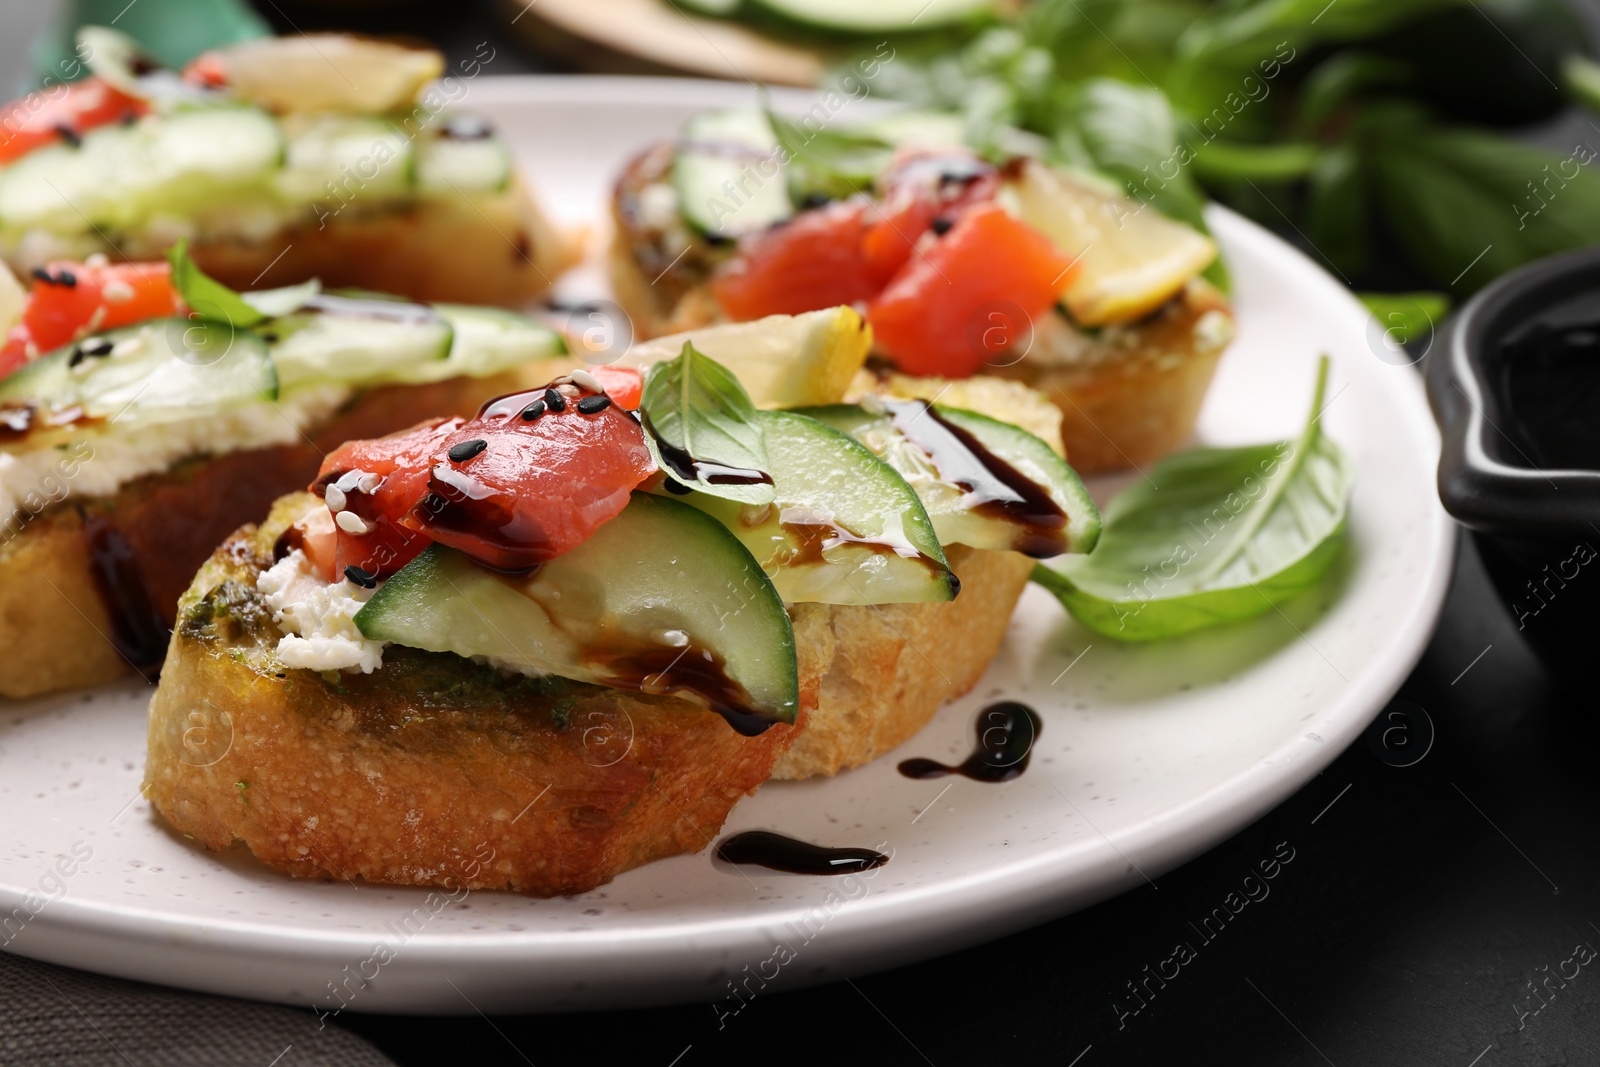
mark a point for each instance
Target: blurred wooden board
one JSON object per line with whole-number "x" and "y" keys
{"x": 656, "y": 37}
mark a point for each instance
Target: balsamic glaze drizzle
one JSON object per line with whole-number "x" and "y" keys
{"x": 1006, "y": 732}
{"x": 998, "y": 488}
{"x": 780, "y": 853}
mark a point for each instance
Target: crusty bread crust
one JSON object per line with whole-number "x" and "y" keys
{"x": 432, "y": 771}
{"x": 1133, "y": 399}
{"x": 409, "y": 774}
{"x": 889, "y": 668}
{"x": 55, "y": 627}
{"x": 652, "y": 309}
{"x": 499, "y": 249}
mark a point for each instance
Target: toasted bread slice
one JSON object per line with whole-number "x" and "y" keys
{"x": 412, "y": 773}
{"x": 88, "y": 588}
{"x": 1128, "y": 394}
{"x": 499, "y": 249}
{"x": 887, "y": 669}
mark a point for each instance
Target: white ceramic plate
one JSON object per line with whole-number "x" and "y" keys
{"x": 1148, "y": 755}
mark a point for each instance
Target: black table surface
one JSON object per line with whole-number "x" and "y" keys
{"x": 1439, "y": 912}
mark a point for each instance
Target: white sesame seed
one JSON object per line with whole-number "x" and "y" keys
{"x": 351, "y": 523}
{"x": 98, "y": 259}
{"x": 368, "y": 483}
{"x": 568, "y": 390}
{"x": 587, "y": 380}
{"x": 117, "y": 291}
{"x": 335, "y": 499}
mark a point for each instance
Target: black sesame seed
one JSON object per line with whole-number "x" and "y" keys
{"x": 554, "y": 400}
{"x": 365, "y": 579}
{"x": 467, "y": 449}
{"x": 270, "y": 338}
{"x": 591, "y": 404}
{"x": 95, "y": 347}
{"x": 815, "y": 200}
{"x": 69, "y": 135}
{"x": 67, "y": 278}
{"x": 42, "y": 274}
{"x": 941, "y": 225}
{"x": 533, "y": 411}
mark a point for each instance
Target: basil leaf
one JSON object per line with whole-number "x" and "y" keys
{"x": 207, "y": 297}
{"x": 697, "y": 416}
{"x": 1221, "y": 535}
{"x": 834, "y": 163}
{"x": 1471, "y": 205}
{"x": 1407, "y": 317}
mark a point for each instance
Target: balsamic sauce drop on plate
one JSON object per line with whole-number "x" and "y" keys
{"x": 767, "y": 849}
{"x": 1006, "y": 732}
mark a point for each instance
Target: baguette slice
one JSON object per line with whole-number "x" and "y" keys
{"x": 493, "y": 249}
{"x": 412, "y": 773}
{"x": 72, "y": 615}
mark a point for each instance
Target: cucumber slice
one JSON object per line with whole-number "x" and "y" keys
{"x": 728, "y": 174}
{"x": 488, "y": 341}
{"x": 917, "y": 129}
{"x": 456, "y": 166}
{"x": 661, "y": 599}
{"x": 201, "y": 149}
{"x": 120, "y": 175}
{"x": 718, "y": 8}
{"x": 164, "y": 370}
{"x": 354, "y": 340}
{"x": 876, "y": 16}
{"x": 337, "y": 158}
{"x": 985, "y": 483}
{"x": 58, "y": 187}
{"x": 843, "y": 527}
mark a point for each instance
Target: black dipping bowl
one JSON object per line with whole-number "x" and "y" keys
{"x": 1514, "y": 381}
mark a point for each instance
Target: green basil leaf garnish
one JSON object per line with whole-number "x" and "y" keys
{"x": 1213, "y": 535}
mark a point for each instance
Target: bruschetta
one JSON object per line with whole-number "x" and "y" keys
{"x": 1002, "y": 265}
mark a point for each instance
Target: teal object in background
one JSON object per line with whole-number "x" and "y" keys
{"x": 174, "y": 31}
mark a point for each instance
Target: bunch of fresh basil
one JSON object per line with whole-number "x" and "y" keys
{"x": 1371, "y": 132}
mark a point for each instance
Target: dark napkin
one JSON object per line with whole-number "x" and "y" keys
{"x": 53, "y": 1016}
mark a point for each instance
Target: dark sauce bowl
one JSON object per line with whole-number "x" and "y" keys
{"x": 1514, "y": 381}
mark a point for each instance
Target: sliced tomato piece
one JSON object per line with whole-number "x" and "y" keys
{"x": 15, "y": 353}
{"x": 969, "y": 296}
{"x": 812, "y": 261}
{"x": 208, "y": 69}
{"x": 317, "y": 536}
{"x": 528, "y": 480}
{"x": 69, "y": 300}
{"x": 624, "y": 385}
{"x": 62, "y": 112}
{"x": 921, "y": 192}
{"x": 378, "y": 482}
